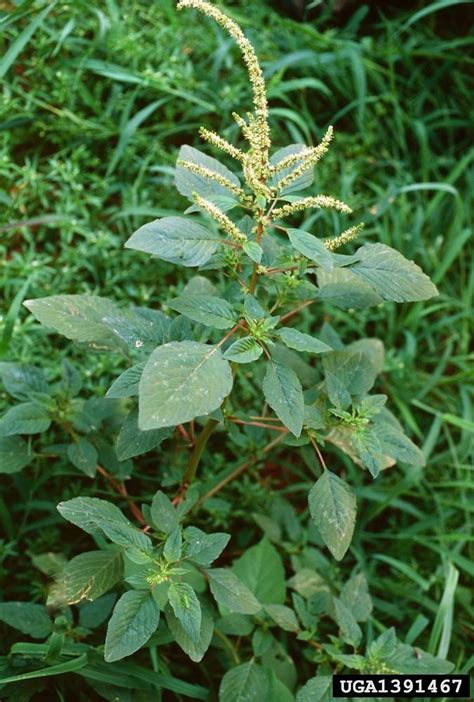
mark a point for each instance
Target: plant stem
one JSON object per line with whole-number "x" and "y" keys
{"x": 258, "y": 237}
{"x": 120, "y": 488}
{"x": 272, "y": 427}
{"x": 290, "y": 314}
{"x": 196, "y": 454}
{"x": 318, "y": 452}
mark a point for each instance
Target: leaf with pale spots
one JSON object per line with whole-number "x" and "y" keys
{"x": 95, "y": 320}
{"x": 181, "y": 381}
{"x": 332, "y": 505}
{"x": 284, "y": 394}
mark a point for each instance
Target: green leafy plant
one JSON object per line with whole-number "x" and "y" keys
{"x": 56, "y": 407}
{"x": 231, "y": 364}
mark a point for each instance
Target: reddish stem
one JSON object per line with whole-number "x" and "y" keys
{"x": 120, "y": 488}
{"x": 318, "y": 452}
{"x": 258, "y": 424}
{"x": 290, "y": 314}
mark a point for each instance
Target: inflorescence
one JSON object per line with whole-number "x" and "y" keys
{"x": 264, "y": 179}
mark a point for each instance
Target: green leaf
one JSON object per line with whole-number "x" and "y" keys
{"x": 93, "y": 515}
{"x": 86, "y": 318}
{"x": 253, "y": 250}
{"x": 84, "y": 456}
{"x": 347, "y": 374}
{"x": 49, "y": 563}
{"x": 355, "y": 596}
{"x": 277, "y": 690}
{"x": 206, "y": 309}
{"x": 244, "y": 683}
{"x": 127, "y": 383}
{"x": 27, "y": 617}
{"x": 135, "y": 618}
{"x": 384, "y": 645}
{"x": 295, "y": 339}
{"x": 181, "y": 381}
{"x": 244, "y": 350}
{"x": 186, "y": 608}
{"x": 21, "y": 40}
{"x": 173, "y": 545}
{"x": 284, "y": 394}
{"x": 131, "y": 441}
{"x": 204, "y": 548}
{"x": 352, "y": 660}
{"x": 350, "y": 631}
{"x": 94, "y": 614}
{"x": 311, "y": 247}
{"x": 235, "y": 625}
{"x": 373, "y": 349}
{"x": 231, "y": 592}
{"x": 283, "y": 616}
{"x": 129, "y": 537}
{"x": 194, "y": 649}
{"x": 332, "y": 505}
{"x": 408, "y": 661}
{"x": 317, "y": 689}
{"x": 87, "y": 576}
{"x": 21, "y": 381}
{"x": 397, "y": 445}
{"x": 163, "y": 514}
{"x": 177, "y": 240}
{"x": 392, "y": 275}
{"x": 14, "y": 454}
{"x": 261, "y": 569}
{"x": 308, "y": 582}
{"x": 59, "y": 669}
{"x": 369, "y": 449}
{"x": 188, "y": 182}
{"x": 88, "y": 512}
{"x": 253, "y": 310}
{"x": 262, "y": 641}
{"x": 25, "y": 418}
{"x": 343, "y": 289}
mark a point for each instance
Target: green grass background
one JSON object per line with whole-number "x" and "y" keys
{"x": 96, "y": 98}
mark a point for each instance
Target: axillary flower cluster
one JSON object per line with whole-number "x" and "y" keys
{"x": 265, "y": 180}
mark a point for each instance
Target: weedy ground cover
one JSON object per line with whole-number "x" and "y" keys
{"x": 97, "y": 105}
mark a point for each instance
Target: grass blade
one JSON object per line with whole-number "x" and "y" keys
{"x": 443, "y": 624}
{"x": 21, "y": 41}
{"x": 11, "y": 317}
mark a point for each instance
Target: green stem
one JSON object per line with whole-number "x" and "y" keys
{"x": 200, "y": 445}
{"x": 260, "y": 232}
